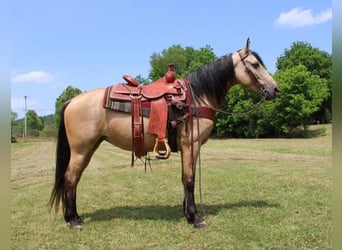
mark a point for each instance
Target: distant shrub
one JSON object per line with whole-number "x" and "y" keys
{"x": 13, "y": 139}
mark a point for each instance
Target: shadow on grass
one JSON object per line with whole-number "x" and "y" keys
{"x": 165, "y": 212}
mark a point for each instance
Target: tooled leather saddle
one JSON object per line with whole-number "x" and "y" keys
{"x": 163, "y": 101}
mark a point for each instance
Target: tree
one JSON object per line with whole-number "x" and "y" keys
{"x": 201, "y": 57}
{"x": 302, "y": 94}
{"x": 50, "y": 129}
{"x": 16, "y": 128}
{"x": 34, "y": 123}
{"x": 14, "y": 117}
{"x": 318, "y": 63}
{"x": 184, "y": 60}
{"x": 239, "y": 100}
{"x": 33, "y": 120}
{"x": 66, "y": 95}
{"x": 142, "y": 80}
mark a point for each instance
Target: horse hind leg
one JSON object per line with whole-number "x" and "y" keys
{"x": 72, "y": 176}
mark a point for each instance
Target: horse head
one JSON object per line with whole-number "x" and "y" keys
{"x": 251, "y": 73}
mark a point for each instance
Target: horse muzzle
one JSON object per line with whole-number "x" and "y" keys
{"x": 270, "y": 91}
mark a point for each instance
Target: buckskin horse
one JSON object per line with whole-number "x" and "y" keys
{"x": 85, "y": 123}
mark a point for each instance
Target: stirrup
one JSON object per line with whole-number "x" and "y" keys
{"x": 161, "y": 149}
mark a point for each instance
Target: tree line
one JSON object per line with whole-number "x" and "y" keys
{"x": 303, "y": 73}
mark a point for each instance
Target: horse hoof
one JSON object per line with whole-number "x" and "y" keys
{"x": 76, "y": 227}
{"x": 201, "y": 224}
{"x": 76, "y": 223}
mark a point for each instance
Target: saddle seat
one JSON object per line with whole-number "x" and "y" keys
{"x": 159, "y": 97}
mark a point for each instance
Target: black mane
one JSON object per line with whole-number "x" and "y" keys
{"x": 257, "y": 57}
{"x": 212, "y": 79}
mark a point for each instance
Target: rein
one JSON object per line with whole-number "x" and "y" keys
{"x": 255, "y": 107}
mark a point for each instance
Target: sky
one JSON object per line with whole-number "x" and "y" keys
{"x": 91, "y": 44}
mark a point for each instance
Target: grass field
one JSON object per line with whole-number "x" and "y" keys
{"x": 257, "y": 194}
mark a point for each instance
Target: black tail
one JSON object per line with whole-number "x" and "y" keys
{"x": 62, "y": 161}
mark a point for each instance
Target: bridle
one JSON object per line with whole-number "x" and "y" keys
{"x": 251, "y": 71}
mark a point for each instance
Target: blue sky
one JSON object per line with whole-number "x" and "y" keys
{"x": 91, "y": 44}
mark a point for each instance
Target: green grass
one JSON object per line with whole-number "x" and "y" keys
{"x": 257, "y": 194}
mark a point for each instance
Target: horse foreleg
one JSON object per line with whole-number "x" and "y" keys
{"x": 188, "y": 178}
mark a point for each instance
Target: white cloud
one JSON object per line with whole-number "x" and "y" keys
{"x": 33, "y": 76}
{"x": 296, "y": 18}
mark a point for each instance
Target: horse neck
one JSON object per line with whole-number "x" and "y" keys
{"x": 207, "y": 100}
{"x": 211, "y": 83}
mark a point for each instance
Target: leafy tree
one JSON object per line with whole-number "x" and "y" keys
{"x": 318, "y": 63}
{"x": 33, "y": 120}
{"x": 302, "y": 94}
{"x": 49, "y": 129}
{"x": 142, "y": 80}
{"x": 34, "y": 123}
{"x": 16, "y": 127}
{"x": 184, "y": 60}
{"x": 66, "y": 95}
{"x": 201, "y": 57}
{"x": 239, "y": 100}
{"x": 14, "y": 117}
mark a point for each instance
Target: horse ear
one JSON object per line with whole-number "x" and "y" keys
{"x": 246, "y": 48}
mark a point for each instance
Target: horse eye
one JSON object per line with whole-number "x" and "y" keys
{"x": 255, "y": 65}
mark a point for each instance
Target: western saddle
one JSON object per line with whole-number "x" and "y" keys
{"x": 164, "y": 101}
